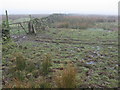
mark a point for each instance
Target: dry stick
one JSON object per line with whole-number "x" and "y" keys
{"x": 23, "y": 28}
{"x": 18, "y": 30}
{"x": 19, "y": 22}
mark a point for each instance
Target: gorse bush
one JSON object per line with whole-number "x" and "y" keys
{"x": 46, "y": 64}
{"x": 66, "y": 78}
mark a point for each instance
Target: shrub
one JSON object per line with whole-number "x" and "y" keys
{"x": 66, "y": 78}
{"x": 46, "y": 63}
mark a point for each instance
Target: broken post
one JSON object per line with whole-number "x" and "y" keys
{"x": 31, "y": 27}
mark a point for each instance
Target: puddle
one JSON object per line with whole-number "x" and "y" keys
{"x": 24, "y": 37}
{"x": 94, "y": 29}
{"x": 98, "y": 48}
{"x": 14, "y": 36}
{"x": 110, "y": 47}
{"x": 91, "y": 62}
{"x": 72, "y": 51}
{"x": 112, "y": 68}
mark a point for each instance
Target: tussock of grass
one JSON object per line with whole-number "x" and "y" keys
{"x": 20, "y": 61}
{"x": 66, "y": 78}
{"x": 46, "y": 63}
{"x": 16, "y": 83}
{"x": 45, "y": 85}
{"x": 30, "y": 66}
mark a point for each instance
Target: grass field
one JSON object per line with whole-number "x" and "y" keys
{"x": 92, "y": 51}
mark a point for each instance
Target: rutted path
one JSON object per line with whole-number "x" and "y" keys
{"x": 72, "y": 41}
{"x": 63, "y": 40}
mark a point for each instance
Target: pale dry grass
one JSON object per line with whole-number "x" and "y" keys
{"x": 66, "y": 78}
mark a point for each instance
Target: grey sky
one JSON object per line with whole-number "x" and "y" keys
{"x": 107, "y": 7}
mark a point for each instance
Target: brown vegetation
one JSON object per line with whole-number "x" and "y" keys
{"x": 66, "y": 78}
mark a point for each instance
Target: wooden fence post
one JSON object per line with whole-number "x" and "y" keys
{"x": 6, "y": 29}
{"x": 31, "y": 27}
{"x": 7, "y": 23}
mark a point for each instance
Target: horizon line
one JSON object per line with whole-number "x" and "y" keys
{"x": 62, "y": 13}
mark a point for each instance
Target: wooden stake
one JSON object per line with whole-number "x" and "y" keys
{"x": 7, "y": 23}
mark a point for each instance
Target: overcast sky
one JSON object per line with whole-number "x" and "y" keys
{"x": 107, "y": 7}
